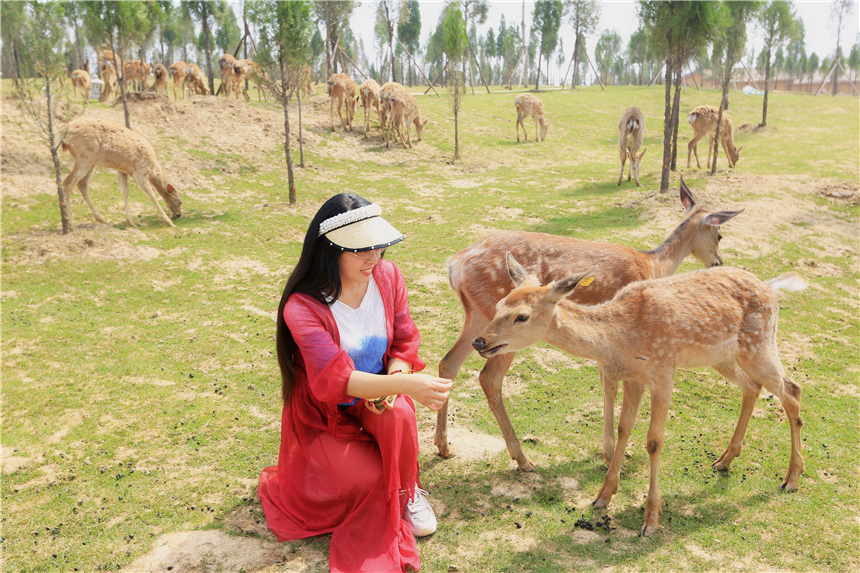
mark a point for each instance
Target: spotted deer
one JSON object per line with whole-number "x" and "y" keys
{"x": 138, "y": 72}
{"x": 724, "y": 318}
{"x": 703, "y": 120}
{"x": 403, "y": 111}
{"x": 369, "y": 93}
{"x": 631, "y": 132}
{"x": 228, "y": 75}
{"x": 195, "y": 81}
{"x": 530, "y": 106}
{"x": 95, "y": 143}
{"x": 479, "y": 278}
{"x": 177, "y": 70}
{"x": 385, "y": 92}
{"x": 107, "y": 73}
{"x": 159, "y": 73}
{"x": 81, "y": 81}
{"x": 342, "y": 89}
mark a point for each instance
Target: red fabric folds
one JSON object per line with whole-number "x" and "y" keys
{"x": 340, "y": 470}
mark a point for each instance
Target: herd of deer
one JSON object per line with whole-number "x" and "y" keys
{"x": 606, "y": 302}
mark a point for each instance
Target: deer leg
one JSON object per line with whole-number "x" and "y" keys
{"x": 331, "y": 112}
{"x": 123, "y": 185}
{"x": 74, "y": 178}
{"x": 623, "y": 161}
{"x": 692, "y": 147}
{"x": 728, "y": 156}
{"x": 751, "y": 391}
{"x": 537, "y": 131}
{"x": 769, "y": 372}
{"x": 491, "y": 377}
{"x": 143, "y": 181}
{"x": 660, "y": 397}
{"x": 83, "y": 186}
{"x": 629, "y": 410}
{"x": 610, "y": 391}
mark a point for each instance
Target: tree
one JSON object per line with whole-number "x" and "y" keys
{"x": 74, "y": 19}
{"x": 811, "y": 68}
{"x": 208, "y": 14}
{"x": 409, "y": 31}
{"x": 638, "y": 53}
{"x": 228, "y": 35}
{"x": 583, "y": 16}
{"x": 795, "y": 53}
{"x": 334, "y": 16}
{"x": 474, "y": 14}
{"x": 13, "y": 22}
{"x": 38, "y": 88}
{"x": 546, "y": 20}
{"x": 839, "y": 12}
{"x": 455, "y": 40}
{"x": 389, "y": 13}
{"x": 777, "y": 21}
{"x": 606, "y": 51}
{"x": 284, "y": 49}
{"x": 854, "y": 60}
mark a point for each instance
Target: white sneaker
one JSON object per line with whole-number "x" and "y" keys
{"x": 419, "y": 515}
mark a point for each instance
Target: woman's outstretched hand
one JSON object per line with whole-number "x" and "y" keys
{"x": 428, "y": 390}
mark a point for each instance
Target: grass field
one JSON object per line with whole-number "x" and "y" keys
{"x": 140, "y": 388}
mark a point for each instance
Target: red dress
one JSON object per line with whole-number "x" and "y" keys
{"x": 340, "y": 469}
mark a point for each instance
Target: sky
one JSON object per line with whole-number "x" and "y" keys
{"x": 621, "y": 17}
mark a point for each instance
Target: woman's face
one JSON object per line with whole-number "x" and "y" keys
{"x": 357, "y": 267}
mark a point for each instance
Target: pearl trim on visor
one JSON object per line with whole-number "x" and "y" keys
{"x": 344, "y": 219}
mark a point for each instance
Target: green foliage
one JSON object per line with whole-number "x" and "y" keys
{"x": 606, "y": 51}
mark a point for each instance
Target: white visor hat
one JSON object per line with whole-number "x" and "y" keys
{"x": 361, "y": 229}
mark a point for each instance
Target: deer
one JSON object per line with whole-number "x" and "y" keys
{"x": 100, "y": 143}
{"x": 703, "y": 120}
{"x": 248, "y": 69}
{"x": 369, "y": 93}
{"x": 342, "y": 89}
{"x": 478, "y": 277}
{"x": 385, "y": 92}
{"x": 530, "y": 106}
{"x": 108, "y": 74}
{"x": 81, "y": 81}
{"x": 631, "y": 132}
{"x": 724, "y": 318}
{"x": 159, "y": 72}
{"x": 177, "y": 70}
{"x": 138, "y": 71}
{"x": 195, "y": 81}
{"x": 228, "y": 75}
{"x": 403, "y": 110}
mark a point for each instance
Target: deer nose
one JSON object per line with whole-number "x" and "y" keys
{"x": 479, "y": 344}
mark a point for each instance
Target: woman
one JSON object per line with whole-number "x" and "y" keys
{"x": 345, "y": 337}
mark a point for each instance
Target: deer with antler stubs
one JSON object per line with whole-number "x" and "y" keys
{"x": 703, "y": 120}
{"x": 723, "y": 317}
{"x": 631, "y": 132}
{"x": 478, "y": 276}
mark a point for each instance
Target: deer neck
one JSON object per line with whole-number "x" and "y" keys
{"x": 667, "y": 258}
{"x": 582, "y": 331}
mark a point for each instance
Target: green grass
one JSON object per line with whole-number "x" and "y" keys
{"x": 142, "y": 392}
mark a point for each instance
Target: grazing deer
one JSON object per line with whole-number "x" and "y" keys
{"x": 247, "y": 69}
{"x": 195, "y": 81}
{"x": 387, "y": 90}
{"x": 369, "y": 93}
{"x": 100, "y": 143}
{"x": 81, "y": 81}
{"x": 159, "y": 72}
{"x": 342, "y": 89}
{"x": 108, "y": 74}
{"x": 724, "y": 318}
{"x": 403, "y": 110}
{"x": 228, "y": 75}
{"x": 631, "y": 132}
{"x": 477, "y": 275}
{"x": 138, "y": 72}
{"x": 177, "y": 70}
{"x": 530, "y": 106}
{"x": 703, "y": 120}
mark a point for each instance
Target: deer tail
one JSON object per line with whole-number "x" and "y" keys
{"x": 790, "y": 282}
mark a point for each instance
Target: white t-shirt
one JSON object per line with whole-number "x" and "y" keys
{"x": 363, "y": 334}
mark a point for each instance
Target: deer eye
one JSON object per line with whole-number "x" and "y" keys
{"x": 521, "y": 318}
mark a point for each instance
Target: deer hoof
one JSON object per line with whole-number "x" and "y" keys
{"x": 647, "y": 530}
{"x": 526, "y": 467}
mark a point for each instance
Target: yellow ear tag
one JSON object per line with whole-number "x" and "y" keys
{"x": 586, "y": 281}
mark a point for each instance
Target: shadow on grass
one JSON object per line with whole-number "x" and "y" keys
{"x": 614, "y": 218}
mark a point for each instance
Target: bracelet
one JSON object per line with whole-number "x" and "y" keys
{"x": 401, "y": 370}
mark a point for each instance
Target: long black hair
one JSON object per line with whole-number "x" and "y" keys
{"x": 316, "y": 274}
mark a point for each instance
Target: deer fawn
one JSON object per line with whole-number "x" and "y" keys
{"x": 725, "y": 318}
{"x": 342, "y": 89}
{"x": 530, "y": 106}
{"x": 177, "y": 70}
{"x": 477, "y": 275}
{"x": 101, "y": 143}
{"x": 631, "y": 132}
{"x": 81, "y": 81}
{"x": 369, "y": 93}
{"x": 703, "y": 120}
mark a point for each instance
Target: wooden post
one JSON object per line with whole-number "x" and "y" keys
{"x": 692, "y": 75}
{"x": 592, "y": 67}
{"x": 752, "y": 81}
{"x": 564, "y": 79}
{"x": 419, "y": 67}
{"x": 437, "y": 79}
{"x": 656, "y": 76}
{"x": 474, "y": 59}
{"x": 344, "y": 55}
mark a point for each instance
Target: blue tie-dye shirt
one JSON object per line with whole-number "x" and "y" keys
{"x": 362, "y": 330}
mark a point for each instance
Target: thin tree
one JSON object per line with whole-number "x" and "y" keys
{"x": 777, "y": 21}
{"x": 13, "y": 22}
{"x": 546, "y": 20}
{"x": 811, "y": 68}
{"x": 583, "y": 16}
{"x": 475, "y": 14}
{"x": 208, "y": 14}
{"x": 455, "y": 40}
{"x": 606, "y": 51}
{"x": 334, "y": 16}
{"x": 390, "y": 13}
{"x": 839, "y": 12}
{"x": 38, "y": 88}
{"x": 409, "y": 31}
{"x": 284, "y": 50}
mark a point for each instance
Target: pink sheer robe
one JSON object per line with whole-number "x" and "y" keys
{"x": 341, "y": 469}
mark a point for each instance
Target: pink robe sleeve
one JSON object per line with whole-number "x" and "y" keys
{"x": 327, "y": 366}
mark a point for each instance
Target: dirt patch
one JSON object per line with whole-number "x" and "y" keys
{"x": 90, "y": 240}
{"x": 467, "y": 446}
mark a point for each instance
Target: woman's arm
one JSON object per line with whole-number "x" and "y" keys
{"x": 424, "y": 389}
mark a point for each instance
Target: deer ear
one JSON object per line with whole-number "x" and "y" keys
{"x": 717, "y": 219}
{"x": 515, "y": 270}
{"x": 641, "y": 155}
{"x": 170, "y": 189}
{"x": 686, "y": 196}
{"x": 563, "y": 287}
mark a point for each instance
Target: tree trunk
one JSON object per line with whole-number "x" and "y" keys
{"x": 766, "y": 90}
{"x": 836, "y": 70}
{"x": 291, "y": 183}
{"x": 64, "y": 209}
{"x": 575, "y": 78}
{"x": 208, "y": 55}
{"x": 716, "y": 151}
{"x": 537, "y": 78}
{"x": 121, "y": 81}
{"x": 676, "y": 110}
{"x": 667, "y": 120}
{"x": 301, "y": 140}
